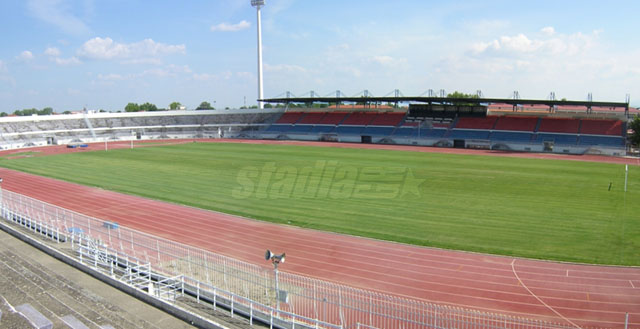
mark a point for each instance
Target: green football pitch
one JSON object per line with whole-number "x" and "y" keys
{"x": 549, "y": 209}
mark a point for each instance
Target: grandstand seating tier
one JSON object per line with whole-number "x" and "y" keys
{"x": 601, "y": 127}
{"x": 359, "y": 118}
{"x": 323, "y": 129}
{"x": 349, "y": 130}
{"x": 312, "y": 118}
{"x": 476, "y": 123}
{"x": 516, "y": 123}
{"x": 560, "y": 139}
{"x": 377, "y": 131}
{"x": 511, "y": 136}
{"x": 559, "y": 125}
{"x": 290, "y": 117}
{"x": 333, "y": 118}
{"x": 469, "y": 134}
{"x": 601, "y": 140}
{"x": 300, "y": 129}
{"x": 388, "y": 119}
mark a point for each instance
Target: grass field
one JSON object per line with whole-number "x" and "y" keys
{"x": 549, "y": 209}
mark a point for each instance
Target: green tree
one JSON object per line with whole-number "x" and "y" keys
{"x": 634, "y": 138}
{"x": 66, "y": 112}
{"x": 46, "y": 111}
{"x": 148, "y": 107}
{"x": 3, "y": 114}
{"x": 457, "y": 94}
{"x": 132, "y": 107}
{"x": 174, "y": 106}
{"x": 205, "y": 106}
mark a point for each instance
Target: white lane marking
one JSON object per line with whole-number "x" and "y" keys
{"x": 513, "y": 268}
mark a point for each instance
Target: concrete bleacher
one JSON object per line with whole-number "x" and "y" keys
{"x": 36, "y": 318}
{"x": 19, "y": 132}
{"x": 73, "y": 323}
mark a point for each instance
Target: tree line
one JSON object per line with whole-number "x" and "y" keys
{"x": 32, "y": 111}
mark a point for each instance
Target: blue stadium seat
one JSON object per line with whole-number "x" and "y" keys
{"x": 431, "y": 133}
{"x": 602, "y": 140}
{"x": 469, "y": 134}
{"x": 405, "y": 132}
{"x": 506, "y": 136}
{"x": 300, "y": 129}
{"x": 278, "y": 128}
{"x": 349, "y": 130}
{"x": 559, "y": 139}
{"x": 377, "y": 131}
{"x": 323, "y": 129}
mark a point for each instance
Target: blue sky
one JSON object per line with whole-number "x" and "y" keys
{"x": 69, "y": 54}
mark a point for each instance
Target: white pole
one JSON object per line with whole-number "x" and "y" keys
{"x": 626, "y": 320}
{"x": 260, "y": 91}
{"x": 106, "y": 148}
{"x": 626, "y": 175}
{"x": 132, "y": 144}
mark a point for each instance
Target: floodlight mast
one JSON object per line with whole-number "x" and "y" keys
{"x": 258, "y": 4}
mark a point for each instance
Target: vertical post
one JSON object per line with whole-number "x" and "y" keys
{"x": 626, "y": 321}
{"x": 258, "y": 4}
{"x": 132, "y": 144}
{"x": 275, "y": 266}
{"x": 626, "y": 175}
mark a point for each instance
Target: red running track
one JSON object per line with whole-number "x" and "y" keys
{"x": 583, "y": 295}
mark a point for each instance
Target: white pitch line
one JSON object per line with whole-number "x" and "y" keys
{"x": 634, "y": 287}
{"x": 567, "y": 273}
{"x": 513, "y": 268}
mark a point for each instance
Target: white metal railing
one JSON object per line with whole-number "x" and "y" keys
{"x": 246, "y": 287}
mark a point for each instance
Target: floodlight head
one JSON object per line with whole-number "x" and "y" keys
{"x": 257, "y": 3}
{"x": 268, "y": 255}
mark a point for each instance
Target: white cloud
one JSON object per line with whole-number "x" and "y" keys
{"x": 52, "y": 51}
{"x": 204, "y": 76}
{"x": 224, "y": 27}
{"x": 551, "y": 44}
{"x": 67, "y": 61}
{"x": 110, "y": 77}
{"x": 284, "y": 68}
{"x": 107, "y": 49}
{"x": 167, "y": 71}
{"x": 57, "y": 13}
{"x": 25, "y": 56}
{"x": 549, "y": 30}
